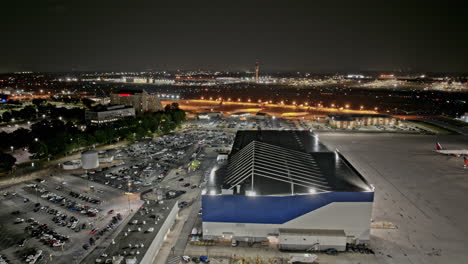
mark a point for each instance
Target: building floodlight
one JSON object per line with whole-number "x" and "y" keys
{"x": 250, "y": 193}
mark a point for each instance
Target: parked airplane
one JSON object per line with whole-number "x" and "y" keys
{"x": 456, "y": 153}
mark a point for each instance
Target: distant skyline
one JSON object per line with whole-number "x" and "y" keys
{"x": 312, "y": 36}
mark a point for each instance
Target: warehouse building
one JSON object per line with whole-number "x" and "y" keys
{"x": 287, "y": 188}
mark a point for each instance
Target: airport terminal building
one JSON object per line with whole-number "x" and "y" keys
{"x": 287, "y": 188}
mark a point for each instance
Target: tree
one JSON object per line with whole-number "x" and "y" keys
{"x": 7, "y": 116}
{"x": 104, "y": 135}
{"x": 39, "y": 150}
{"x": 21, "y": 138}
{"x": 37, "y": 102}
{"x": 87, "y": 102}
{"x": 6, "y": 161}
{"x": 28, "y": 112}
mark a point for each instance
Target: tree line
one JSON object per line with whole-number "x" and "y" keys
{"x": 63, "y": 131}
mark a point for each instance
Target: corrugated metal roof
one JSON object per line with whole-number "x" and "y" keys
{"x": 295, "y": 170}
{"x": 279, "y": 162}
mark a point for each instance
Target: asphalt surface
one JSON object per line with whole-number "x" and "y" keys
{"x": 420, "y": 192}
{"x": 112, "y": 199}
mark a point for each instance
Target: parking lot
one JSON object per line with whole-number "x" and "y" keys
{"x": 59, "y": 215}
{"x": 96, "y": 214}
{"x": 181, "y": 183}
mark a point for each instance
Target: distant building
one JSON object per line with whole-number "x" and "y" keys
{"x": 350, "y": 121}
{"x": 262, "y": 116}
{"x": 241, "y": 115}
{"x": 209, "y": 115}
{"x": 141, "y": 100}
{"x": 6, "y": 91}
{"x": 109, "y": 114}
{"x": 387, "y": 77}
{"x": 142, "y": 80}
{"x": 100, "y": 100}
{"x": 464, "y": 118}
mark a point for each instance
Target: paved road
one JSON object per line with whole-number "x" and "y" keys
{"x": 187, "y": 229}
{"x": 183, "y": 236}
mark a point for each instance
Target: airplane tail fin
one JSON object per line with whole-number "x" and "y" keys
{"x": 438, "y": 146}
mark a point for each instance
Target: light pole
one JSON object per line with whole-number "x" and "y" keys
{"x": 128, "y": 199}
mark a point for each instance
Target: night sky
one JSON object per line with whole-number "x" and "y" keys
{"x": 316, "y": 36}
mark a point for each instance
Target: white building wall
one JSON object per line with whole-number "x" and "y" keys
{"x": 155, "y": 246}
{"x": 322, "y": 242}
{"x": 352, "y": 217}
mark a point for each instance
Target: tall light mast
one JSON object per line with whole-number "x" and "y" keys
{"x": 257, "y": 68}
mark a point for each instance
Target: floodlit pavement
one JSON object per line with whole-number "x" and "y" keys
{"x": 419, "y": 191}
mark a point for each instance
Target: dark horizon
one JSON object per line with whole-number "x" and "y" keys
{"x": 318, "y": 37}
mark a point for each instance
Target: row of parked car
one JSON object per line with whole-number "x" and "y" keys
{"x": 72, "y": 222}
{"x": 32, "y": 255}
{"x": 69, "y": 204}
{"x": 85, "y": 198}
{"x": 45, "y": 234}
{"x": 4, "y": 259}
{"x": 99, "y": 233}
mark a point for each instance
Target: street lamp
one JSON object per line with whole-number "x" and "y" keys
{"x": 36, "y": 139}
